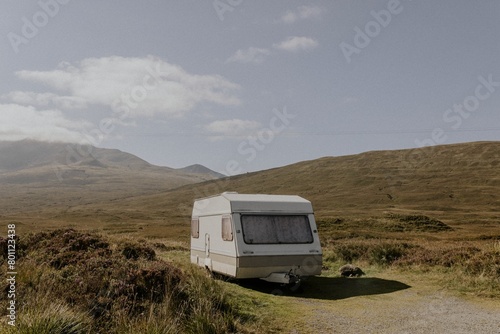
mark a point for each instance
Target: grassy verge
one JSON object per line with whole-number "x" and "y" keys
{"x": 73, "y": 282}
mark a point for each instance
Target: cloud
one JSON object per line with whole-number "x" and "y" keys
{"x": 301, "y": 13}
{"x": 45, "y": 99}
{"x": 145, "y": 86}
{"x": 250, "y": 55}
{"x": 235, "y": 128}
{"x": 295, "y": 44}
{"x": 19, "y": 122}
{"x": 258, "y": 55}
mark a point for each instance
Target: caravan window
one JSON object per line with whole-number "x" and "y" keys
{"x": 227, "y": 228}
{"x": 195, "y": 227}
{"x": 276, "y": 229}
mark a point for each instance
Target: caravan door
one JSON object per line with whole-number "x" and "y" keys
{"x": 208, "y": 261}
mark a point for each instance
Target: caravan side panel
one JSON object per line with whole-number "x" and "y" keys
{"x": 210, "y": 250}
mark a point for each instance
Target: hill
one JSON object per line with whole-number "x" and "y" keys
{"x": 434, "y": 178}
{"x": 38, "y": 176}
{"x": 452, "y": 178}
{"x": 454, "y": 183}
{"x": 26, "y": 154}
{"x": 200, "y": 169}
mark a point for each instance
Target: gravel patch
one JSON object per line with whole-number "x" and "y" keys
{"x": 410, "y": 311}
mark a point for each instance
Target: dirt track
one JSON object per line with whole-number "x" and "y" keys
{"x": 374, "y": 305}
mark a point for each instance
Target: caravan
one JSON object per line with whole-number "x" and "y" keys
{"x": 272, "y": 237}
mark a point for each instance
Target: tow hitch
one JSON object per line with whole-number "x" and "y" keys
{"x": 288, "y": 280}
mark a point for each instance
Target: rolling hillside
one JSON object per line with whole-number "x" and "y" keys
{"x": 460, "y": 177}
{"x": 457, "y": 183}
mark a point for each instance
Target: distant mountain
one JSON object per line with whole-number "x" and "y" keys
{"x": 60, "y": 170}
{"x": 200, "y": 169}
{"x": 27, "y": 154}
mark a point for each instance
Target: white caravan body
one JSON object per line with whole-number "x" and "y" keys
{"x": 273, "y": 237}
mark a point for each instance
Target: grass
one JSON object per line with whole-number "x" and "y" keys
{"x": 420, "y": 216}
{"x": 471, "y": 267}
{"x": 84, "y": 282}
{"x": 74, "y": 282}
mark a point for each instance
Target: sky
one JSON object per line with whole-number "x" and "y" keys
{"x": 241, "y": 86}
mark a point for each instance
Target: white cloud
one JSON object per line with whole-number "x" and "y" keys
{"x": 295, "y": 44}
{"x": 250, "y": 55}
{"x": 19, "y": 122}
{"x": 235, "y": 128}
{"x": 301, "y": 13}
{"x": 145, "y": 86}
{"x": 258, "y": 55}
{"x": 45, "y": 99}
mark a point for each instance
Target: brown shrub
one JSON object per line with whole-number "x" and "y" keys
{"x": 446, "y": 257}
{"x": 486, "y": 263}
{"x": 136, "y": 251}
{"x": 389, "y": 252}
{"x": 113, "y": 292}
{"x": 421, "y": 223}
{"x": 97, "y": 279}
{"x": 372, "y": 251}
